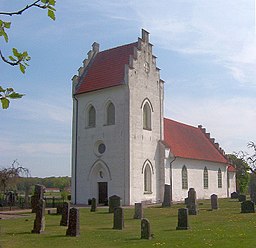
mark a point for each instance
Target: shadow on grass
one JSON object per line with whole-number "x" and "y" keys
{"x": 103, "y": 213}
{"x": 18, "y": 233}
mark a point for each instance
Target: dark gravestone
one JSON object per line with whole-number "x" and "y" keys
{"x": 93, "y": 205}
{"x": 39, "y": 222}
{"x": 59, "y": 209}
{"x": 182, "y": 219}
{"x": 167, "y": 196}
{"x": 214, "y": 201}
{"x": 118, "y": 218}
{"x": 65, "y": 214}
{"x": 73, "y": 223}
{"x": 145, "y": 229}
{"x": 114, "y": 202}
{"x": 138, "y": 211}
{"x": 234, "y": 195}
{"x": 38, "y": 194}
{"x": 186, "y": 201}
{"x": 252, "y": 188}
{"x": 242, "y": 198}
{"x": 33, "y": 203}
{"x": 192, "y": 202}
{"x": 247, "y": 207}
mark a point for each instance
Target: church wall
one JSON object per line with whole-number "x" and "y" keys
{"x": 145, "y": 86}
{"x": 232, "y": 183}
{"x": 93, "y": 167}
{"x": 195, "y": 169}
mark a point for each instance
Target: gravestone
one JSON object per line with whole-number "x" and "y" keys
{"x": 38, "y": 194}
{"x": 118, "y": 218}
{"x": 93, "y": 205}
{"x": 234, "y": 195}
{"x": 114, "y": 202}
{"x": 242, "y": 198}
{"x": 59, "y": 209}
{"x": 39, "y": 222}
{"x": 182, "y": 219}
{"x": 138, "y": 211}
{"x": 167, "y": 196}
{"x": 214, "y": 201}
{"x": 247, "y": 207}
{"x": 73, "y": 223}
{"x": 65, "y": 214}
{"x": 192, "y": 202}
{"x": 145, "y": 229}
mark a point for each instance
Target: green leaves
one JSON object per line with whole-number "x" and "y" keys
{"x": 48, "y": 4}
{"x": 6, "y": 94}
{"x": 3, "y": 26}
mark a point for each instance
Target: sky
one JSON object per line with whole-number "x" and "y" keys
{"x": 206, "y": 50}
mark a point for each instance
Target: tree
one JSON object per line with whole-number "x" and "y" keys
{"x": 17, "y": 58}
{"x": 9, "y": 175}
{"x": 242, "y": 172}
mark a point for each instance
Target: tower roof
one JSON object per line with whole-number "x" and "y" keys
{"x": 106, "y": 69}
{"x": 191, "y": 142}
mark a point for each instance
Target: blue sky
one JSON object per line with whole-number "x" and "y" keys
{"x": 206, "y": 51}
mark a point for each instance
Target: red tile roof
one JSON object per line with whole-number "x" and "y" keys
{"x": 107, "y": 69}
{"x": 190, "y": 142}
{"x": 231, "y": 168}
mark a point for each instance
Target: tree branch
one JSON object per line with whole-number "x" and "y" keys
{"x": 9, "y": 62}
{"x": 19, "y": 12}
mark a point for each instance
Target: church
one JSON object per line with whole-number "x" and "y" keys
{"x": 123, "y": 145}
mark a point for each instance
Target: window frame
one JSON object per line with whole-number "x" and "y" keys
{"x": 219, "y": 178}
{"x": 184, "y": 177}
{"x": 206, "y": 178}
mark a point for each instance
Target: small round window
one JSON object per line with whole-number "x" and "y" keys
{"x": 101, "y": 148}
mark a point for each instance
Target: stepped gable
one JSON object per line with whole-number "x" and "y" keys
{"x": 104, "y": 69}
{"x": 191, "y": 142}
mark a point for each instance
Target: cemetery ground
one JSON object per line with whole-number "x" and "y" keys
{"x": 225, "y": 227}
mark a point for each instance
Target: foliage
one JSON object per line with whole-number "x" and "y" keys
{"x": 250, "y": 159}
{"x": 9, "y": 175}
{"x": 48, "y": 182}
{"x": 242, "y": 172}
{"x": 17, "y": 58}
{"x": 226, "y": 227}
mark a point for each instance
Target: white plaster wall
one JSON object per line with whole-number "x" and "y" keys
{"x": 115, "y": 137}
{"x": 144, "y": 143}
{"x": 232, "y": 183}
{"x": 195, "y": 169}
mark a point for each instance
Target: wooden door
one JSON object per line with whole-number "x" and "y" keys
{"x": 103, "y": 192}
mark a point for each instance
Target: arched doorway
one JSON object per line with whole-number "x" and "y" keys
{"x": 99, "y": 178}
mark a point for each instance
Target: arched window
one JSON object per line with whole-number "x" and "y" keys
{"x": 147, "y": 179}
{"x": 91, "y": 117}
{"x": 184, "y": 177}
{"x": 110, "y": 111}
{"x": 146, "y": 116}
{"x": 219, "y": 178}
{"x": 205, "y": 178}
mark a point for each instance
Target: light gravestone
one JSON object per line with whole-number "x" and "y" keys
{"x": 39, "y": 222}
{"x": 114, "y": 202}
{"x": 214, "y": 201}
{"x": 118, "y": 218}
{"x": 167, "y": 196}
{"x": 65, "y": 214}
{"x": 138, "y": 211}
{"x": 73, "y": 223}
{"x": 192, "y": 202}
{"x": 145, "y": 229}
{"x": 182, "y": 219}
{"x": 93, "y": 205}
{"x": 247, "y": 207}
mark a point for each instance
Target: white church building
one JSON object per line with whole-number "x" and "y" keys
{"x": 122, "y": 144}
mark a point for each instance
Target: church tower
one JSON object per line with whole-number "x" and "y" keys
{"x": 117, "y": 125}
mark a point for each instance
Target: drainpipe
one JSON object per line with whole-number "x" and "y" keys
{"x": 171, "y": 174}
{"x": 76, "y": 138}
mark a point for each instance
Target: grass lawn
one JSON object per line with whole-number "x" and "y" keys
{"x": 225, "y": 227}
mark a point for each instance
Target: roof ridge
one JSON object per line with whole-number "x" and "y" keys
{"x": 212, "y": 141}
{"x": 120, "y": 46}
